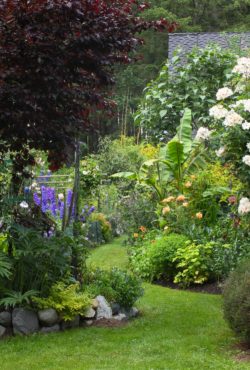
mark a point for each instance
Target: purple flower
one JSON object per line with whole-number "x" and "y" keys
{"x": 44, "y": 198}
{"x": 37, "y": 199}
{"x": 61, "y": 210}
{"x": 91, "y": 210}
{"x": 69, "y": 197}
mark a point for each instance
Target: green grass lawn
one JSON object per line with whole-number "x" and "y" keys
{"x": 109, "y": 255}
{"x": 177, "y": 330}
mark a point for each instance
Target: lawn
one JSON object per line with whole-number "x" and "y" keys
{"x": 177, "y": 330}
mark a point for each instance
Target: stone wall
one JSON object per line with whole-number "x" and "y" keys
{"x": 23, "y": 321}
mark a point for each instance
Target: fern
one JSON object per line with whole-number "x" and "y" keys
{"x": 5, "y": 266}
{"x": 14, "y": 299}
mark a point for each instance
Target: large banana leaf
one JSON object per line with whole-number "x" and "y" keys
{"x": 184, "y": 131}
{"x": 175, "y": 152}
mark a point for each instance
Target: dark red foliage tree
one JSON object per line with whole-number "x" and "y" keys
{"x": 56, "y": 61}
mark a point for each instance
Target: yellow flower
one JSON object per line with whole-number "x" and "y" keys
{"x": 199, "y": 215}
{"x": 185, "y": 204}
{"x": 188, "y": 184}
{"x": 193, "y": 177}
{"x": 136, "y": 235}
{"x": 168, "y": 200}
{"x": 180, "y": 198}
{"x": 166, "y": 228}
{"x": 166, "y": 210}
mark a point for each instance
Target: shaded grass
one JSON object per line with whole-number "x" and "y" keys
{"x": 110, "y": 255}
{"x": 177, "y": 330}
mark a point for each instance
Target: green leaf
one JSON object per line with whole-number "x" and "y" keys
{"x": 175, "y": 152}
{"x": 163, "y": 113}
{"x": 184, "y": 131}
{"x": 125, "y": 175}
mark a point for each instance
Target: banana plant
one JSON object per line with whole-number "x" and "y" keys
{"x": 180, "y": 157}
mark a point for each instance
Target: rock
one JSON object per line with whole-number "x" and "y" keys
{"x": 48, "y": 317}
{"x": 131, "y": 312}
{"x": 24, "y": 321}
{"x": 89, "y": 322}
{"x": 115, "y": 308}
{"x": 71, "y": 324}
{"x": 5, "y": 318}
{"x": 50, "y": 329}
{"x": 2, "y": 331}
{"x": 90, "y": 313}
{"x": 94, "y": 303}
{"x": 104, "y": 310}
{"x": 120, "y": 317}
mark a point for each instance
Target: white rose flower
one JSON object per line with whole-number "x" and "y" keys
{"x": 220, "y": 151}
{"x": 224, "y": 93}
{"x": 248, "y": 146}
{"x": 243, "y": 67}
{"x": 244, "y": 206}
{"x": 218, "y": 111}
{"x": 246, "y": 125}
{"x": 203, "y": 134}
{"x": 24, "y": 204}
{"x": 232, "y": 119}
{"x": 246, "y": 160}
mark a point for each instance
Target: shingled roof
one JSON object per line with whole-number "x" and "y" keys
{"x": 187, "y": 41}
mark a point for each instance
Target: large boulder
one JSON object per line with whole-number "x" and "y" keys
{"x": 90, "y": 313}
{"x": 5, "y": 319}
{"x": 48, "y": 317}
{"x": 50, "y": 329}
{"x": 24, "y": 321}
{"x": 104, "y": 310}
{"x": 3, "y": 331}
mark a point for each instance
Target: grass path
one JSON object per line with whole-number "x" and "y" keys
{"x": 177, "y": 331}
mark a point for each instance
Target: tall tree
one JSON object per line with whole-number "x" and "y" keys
{"x": 56, "y": 62}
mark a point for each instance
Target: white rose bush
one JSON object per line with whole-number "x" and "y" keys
{"x": 231, "y": 117}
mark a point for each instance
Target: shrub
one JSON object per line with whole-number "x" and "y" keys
{"x": 39, "y": 262}
{"x": 236, "y": 296}
{"x": 192, "y": 84}
{"x": 192, "y": 263}
{"x": 154, "y": 259}
{"x": 119, "y": 155}
{"x": 105, "y": 225}
{"x": 136, "y": 207}
{"x": 199, "y": 263}
{"x": 68, "y": 301}
{"x": 116, "y": 286}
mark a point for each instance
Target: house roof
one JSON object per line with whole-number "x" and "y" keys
{"x": 187, "y": 41}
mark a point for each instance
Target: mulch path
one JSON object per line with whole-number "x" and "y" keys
{"x": 244, "y": 355}
{"x": 211, "y": 288}
{"x": 109, "y": 323}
